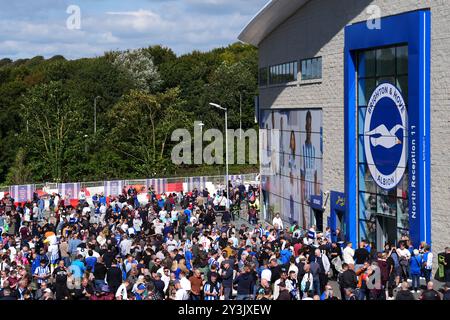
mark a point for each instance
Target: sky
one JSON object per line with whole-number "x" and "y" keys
{"x": 53, "y": 27}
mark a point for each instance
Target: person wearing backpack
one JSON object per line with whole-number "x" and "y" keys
{"x": 415, "y": 266}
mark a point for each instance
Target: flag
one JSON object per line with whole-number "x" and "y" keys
{"x": 22, "y": 193}
{"x": 239, "y": 179}
{"x": 196, "y": 182}
{"x": 71, "y": 190}
{"x": 113, "y": 188}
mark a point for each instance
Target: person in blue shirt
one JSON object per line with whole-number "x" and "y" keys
{"x": 415, "y": 269}
{"x": 102, "y": 199}
{"x": 91, "y": 260}
{"x": 161, "y": 203}
{"x": 139, "y": 292}
{"x": 188, "y": 213}
{"x": 188, "y": 257}
{"x": 78, "y": 268}
{"x": 285, "y": 255}
{"x": 74, "y": 242}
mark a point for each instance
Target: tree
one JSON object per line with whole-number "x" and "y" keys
{"x": 142, "y": 124}
{"x": 52, "y": 115}
{"x": 138, "y": 65}
{"x": 20, "y": 172}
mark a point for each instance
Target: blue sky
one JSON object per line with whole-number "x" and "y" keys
{"x": 38, "y": 27}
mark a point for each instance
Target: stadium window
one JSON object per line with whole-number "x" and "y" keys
{"x": 311, "y": 68}
{"x": 283, "y": 73}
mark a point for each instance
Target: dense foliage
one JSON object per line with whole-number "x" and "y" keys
{"x": 47, "y": 111}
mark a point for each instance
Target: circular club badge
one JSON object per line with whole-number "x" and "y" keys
{"x": 385, "y": 137}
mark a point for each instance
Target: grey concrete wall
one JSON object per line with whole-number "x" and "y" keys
{"x": 317, "y": 29}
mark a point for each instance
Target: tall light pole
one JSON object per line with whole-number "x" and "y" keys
{"x": 240, "y": 115}
{"x": 227, "y": 206}
{"x": 95, "y": 114}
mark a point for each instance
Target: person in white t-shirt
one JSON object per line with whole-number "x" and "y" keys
{"x": 181, "y": 293}
{"x": 184, "y": 282}
{"x": 171, "y": 243}
{"x": 348, "y": 254}
{"x": 277, "y": 222}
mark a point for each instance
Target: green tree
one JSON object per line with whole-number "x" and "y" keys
{"x": 20, "y": 172}
{"x": 52, "y": 116}
{"x": 142, "y": 124}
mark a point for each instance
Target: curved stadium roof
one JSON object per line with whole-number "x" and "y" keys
{"x": 268, "y": 18}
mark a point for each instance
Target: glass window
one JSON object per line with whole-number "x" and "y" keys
{"x": 386, "y": 62}
{"x": 319, "y": 75}
{"x": 304, "y": 70}
{"x": 365, "y": 90}
{"x": 374, "y": 203}
{"x": 402, "y": 85}
{"x": 368, "y": 206}
{"x": 381, "y": 80}
{"x": 367, "y": 64}
{"x": 402, "y": 213}
{"x": 367, "y": 231}
{"x": 402, "y": 60}
{"x": 366, "y": 182}
{"x": 283, "y": 73}
{"x": 312, "y": 68}
{"x": 361, "y": 119}
{"x": 387, "y": 204}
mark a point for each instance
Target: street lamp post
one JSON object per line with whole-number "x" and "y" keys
{"x": 95, "y": 114}
{"x": 227, "y": 206}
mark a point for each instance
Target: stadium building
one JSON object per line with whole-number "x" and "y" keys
{"x": 354, "y": 100}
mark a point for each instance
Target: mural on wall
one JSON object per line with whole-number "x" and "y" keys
{"x": 293, "y": 145}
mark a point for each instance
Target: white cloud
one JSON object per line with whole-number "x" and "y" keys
{"x": 183, "y": 25}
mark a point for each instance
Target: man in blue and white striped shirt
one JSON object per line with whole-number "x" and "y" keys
{"x": 213, "y": 260}
{"x": 212, "y": 289}
{"x": 42, "y": 273}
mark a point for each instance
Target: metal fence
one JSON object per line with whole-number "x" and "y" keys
{"x": 218, "y": 181}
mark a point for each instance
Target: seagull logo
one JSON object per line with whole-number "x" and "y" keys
{"x": 385, "y": 138}
{"x": 388, "y": 139}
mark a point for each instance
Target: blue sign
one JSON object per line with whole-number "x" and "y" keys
{"x": 385, "y": 138}
{"x": 414, "y": 30}
{"x": 316, "y": 202}
{"x": 337, "y": 201}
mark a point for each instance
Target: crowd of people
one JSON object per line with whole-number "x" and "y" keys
{"x": 185, "y": 246}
